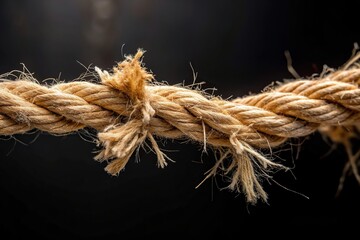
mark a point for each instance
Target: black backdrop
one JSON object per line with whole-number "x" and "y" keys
{"x": 50, "y": 186}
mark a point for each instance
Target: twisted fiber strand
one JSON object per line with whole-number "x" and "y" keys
{"x": 126, "y": 110}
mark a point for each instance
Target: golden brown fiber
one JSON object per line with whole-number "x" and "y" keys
{"x": 127, "y": 108}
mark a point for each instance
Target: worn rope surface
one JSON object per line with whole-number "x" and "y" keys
{"x": 128, "y": 107}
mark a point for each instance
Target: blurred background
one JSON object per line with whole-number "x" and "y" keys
{"x": 51, "y": 187}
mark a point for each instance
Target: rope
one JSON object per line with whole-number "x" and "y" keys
{"x": 128, "y": 107}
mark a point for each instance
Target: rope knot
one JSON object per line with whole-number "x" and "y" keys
{"x": 120, "y": 141}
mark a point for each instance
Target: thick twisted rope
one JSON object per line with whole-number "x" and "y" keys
{"x": 128, "y": 107}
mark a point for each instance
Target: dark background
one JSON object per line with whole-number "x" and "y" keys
{"x": 50, "y": 186}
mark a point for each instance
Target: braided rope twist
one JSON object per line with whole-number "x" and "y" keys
{"x": 128, "y": 107}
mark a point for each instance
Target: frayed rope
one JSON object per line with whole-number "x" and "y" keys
{"x": 129, "y": 107}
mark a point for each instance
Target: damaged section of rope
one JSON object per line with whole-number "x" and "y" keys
{"x": 121, "y": 140}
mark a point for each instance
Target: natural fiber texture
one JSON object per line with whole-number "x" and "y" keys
{"x": 127, "y": 108}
